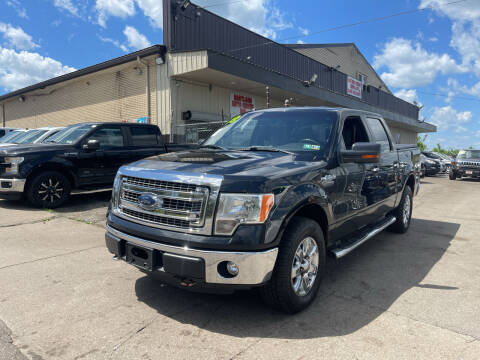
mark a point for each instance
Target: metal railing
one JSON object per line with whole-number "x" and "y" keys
{"x": 195, "y": 133}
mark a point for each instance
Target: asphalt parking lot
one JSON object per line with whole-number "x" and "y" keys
{"x": 411, "y": 296}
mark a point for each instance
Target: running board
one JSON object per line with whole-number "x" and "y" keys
{"x": 91, "y": 191}
{"x": 341, "y": 252}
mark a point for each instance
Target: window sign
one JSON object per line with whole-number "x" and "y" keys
{"x": 240, "y": 104}
{"x": 354, "y": 87}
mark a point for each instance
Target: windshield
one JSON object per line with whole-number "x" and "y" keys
{"x": 432, "y": 156}
{"x": 294, "y": 131}
{"x": 469, "y": 154}
{"x": 71, "y": 134}
{"x": 11, "y": 136}
{"x": 29, "y": 137}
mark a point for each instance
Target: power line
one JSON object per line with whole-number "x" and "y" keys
{"x": 301, "y": 36}
{"x": 448, "y": 96}
{"x": 221, "y": 4}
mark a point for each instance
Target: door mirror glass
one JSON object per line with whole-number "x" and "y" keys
{"x": 362, "y": 153}
{"x": 92, "y": 145}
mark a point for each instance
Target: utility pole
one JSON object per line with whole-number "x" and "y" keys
{"x": 268, "y": 96}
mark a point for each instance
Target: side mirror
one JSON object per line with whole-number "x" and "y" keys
{"x": 92, "y": 145}
{"x": 362, "y": 153}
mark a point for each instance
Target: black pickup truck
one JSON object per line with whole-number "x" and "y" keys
{"x": 82, "y": 157}
{"x": 263, "y": 201}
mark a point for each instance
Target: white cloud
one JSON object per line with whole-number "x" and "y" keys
{"x": 117, "y": 8}
{"x": 467, "y": 10}
{"x": 259, "y": 16}
{"x": 300, "y": 42}
{"x": 447, "y": 117}
{"x": 433, "y": 39}
{"x": 135, "y": 40}
{"x": 16, "y": 37}
{"x": 116, "y": 43}
{"x": 20, "y": 69}
{"x": 408, "y": 95}
{"x": 21, "y": 11}
{"x": 466, "y": 40}
{"x": 409, "y": 65}
{"x": 453, "y": 84}
{"x": 66, "y": 5}
{"x": 304, "y": 31}
{"x": 154, "y": 10}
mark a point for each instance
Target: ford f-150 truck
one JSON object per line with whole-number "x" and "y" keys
{"x": 82, "y": 157}
{"x": 263, "y": 201}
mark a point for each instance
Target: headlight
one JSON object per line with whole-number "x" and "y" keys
{"x": 12, "y": 164}
{"x": 236, "y": 209}
{"x": 116, "y": 190}
{"x": 430, "y": 162}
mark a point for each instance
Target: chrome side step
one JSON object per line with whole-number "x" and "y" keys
{"x": 341, "y": 252}
{"x": 92, "y": 191}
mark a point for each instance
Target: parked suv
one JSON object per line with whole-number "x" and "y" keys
{"x": 263, "y": 201}
{"x": 79, "y": 158}
{"x": 4, "y": 131}
{"x": 444, "y": 164}
{"x": 429, "y": 166}
{"x": 467, "y": 164}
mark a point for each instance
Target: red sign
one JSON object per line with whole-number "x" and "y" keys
{"x": 354, "y": 87}
{"x": 240, "y": 104}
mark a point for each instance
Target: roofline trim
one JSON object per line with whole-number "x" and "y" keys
{"x": 152, "y": 50}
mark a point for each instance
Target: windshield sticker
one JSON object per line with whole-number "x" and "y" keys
{"x": 234, "y": 119}
{"x": 311, "y": 147}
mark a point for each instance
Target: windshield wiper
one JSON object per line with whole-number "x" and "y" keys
{"x": 266, "y": 148}
{"x": 215, "y": 147}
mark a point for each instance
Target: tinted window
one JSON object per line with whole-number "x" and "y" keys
{"x": 2, "y": 132}
{"x": 353, "y": 132}
{"x": 108, "y": 137}
{"x": 379, "y": 134}
{"x": 143, "y": 135}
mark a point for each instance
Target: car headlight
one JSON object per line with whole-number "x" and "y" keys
{"x": 116, "y": 190}
{"x": 12, "y": 164}
{"x": 236, "y": 209}
{"x": 430, "y": 162}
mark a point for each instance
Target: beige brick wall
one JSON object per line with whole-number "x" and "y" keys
{"x": 114, "y": 94}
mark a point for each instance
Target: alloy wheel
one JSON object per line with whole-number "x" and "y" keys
{"x": 51, "y": 190}
{"x": 407, "y": 210}
{"x": 305, "y": 267}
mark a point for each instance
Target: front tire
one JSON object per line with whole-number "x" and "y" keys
{"x": 49, "y": 190}
{"x": 299, "y": 269}
{"x": 403, "y": 212}
{"x": 452, "y": 175}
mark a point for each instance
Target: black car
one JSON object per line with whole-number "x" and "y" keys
{"x": 467, "y": 164}
{"x": 262, "y": 201}
{"x": 429, "y": 166}
{"x": 79, "y": 158}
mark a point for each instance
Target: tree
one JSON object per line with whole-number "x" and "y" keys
{"x": 421, "y": 143}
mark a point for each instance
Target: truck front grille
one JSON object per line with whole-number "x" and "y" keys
{"x": 173, "y": 204}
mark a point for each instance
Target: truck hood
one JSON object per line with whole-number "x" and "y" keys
{"x": 243, "y": 171}
{"x": 25, "y": 149}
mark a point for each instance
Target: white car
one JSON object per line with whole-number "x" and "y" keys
{"x": 4, "y": 131}
{"x": 33, "y": 136}
{"x": 12, "y": 136}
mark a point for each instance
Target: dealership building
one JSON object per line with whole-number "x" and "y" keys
{"x": 207, "y": 71}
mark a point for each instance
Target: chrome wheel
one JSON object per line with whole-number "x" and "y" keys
{"x": 407, "y": 210}
{"x": 305, "y": 267}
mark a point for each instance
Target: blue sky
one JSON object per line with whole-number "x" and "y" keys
{"x": 418, "y": 55}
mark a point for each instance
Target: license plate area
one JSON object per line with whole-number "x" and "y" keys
{"x": 143, "y": 258}
{"x": 469, "y": 172}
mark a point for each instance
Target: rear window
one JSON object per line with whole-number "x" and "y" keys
{"x": 144, "y": 135}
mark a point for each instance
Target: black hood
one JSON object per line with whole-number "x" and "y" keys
{"x": 243, "y": 171}
{"x": 25, "y": 149}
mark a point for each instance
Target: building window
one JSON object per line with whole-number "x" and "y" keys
{"x": 362, "y": 78}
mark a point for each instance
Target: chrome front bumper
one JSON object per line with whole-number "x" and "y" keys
{"x": 12, "y": 185}
{"x": 255, "y": 267}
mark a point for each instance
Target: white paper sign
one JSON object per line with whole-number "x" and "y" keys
{"x": 354, "y": 87}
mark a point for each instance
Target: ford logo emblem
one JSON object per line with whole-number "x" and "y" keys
{"x": 149, "y": 201}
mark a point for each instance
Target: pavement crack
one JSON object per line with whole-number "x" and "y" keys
{"x": 51, "y": 257}
{"x": 29, "y": 222}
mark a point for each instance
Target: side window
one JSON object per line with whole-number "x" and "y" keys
{"x": 353, "y": 132}
{"x": 379, "y": 134}
{"x": 108, "y": 137}
{"x": 2, "y": 132}
{"x": 143, "y": 135}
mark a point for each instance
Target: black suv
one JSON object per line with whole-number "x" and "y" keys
{"x": 466, "y": 164}
{"x": 79, "y": 158}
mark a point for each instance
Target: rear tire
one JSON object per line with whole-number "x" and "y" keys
{"x": 299, "y": 269}
{"x": 403, "y": 213}
{"x": 48, "y": 190}
{"x": 452, "y": 175}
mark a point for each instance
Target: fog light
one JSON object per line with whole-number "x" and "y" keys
{"x": 232, "y": 268}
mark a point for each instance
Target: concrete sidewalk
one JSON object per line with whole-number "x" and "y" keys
{"x": 396, "y": 297}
